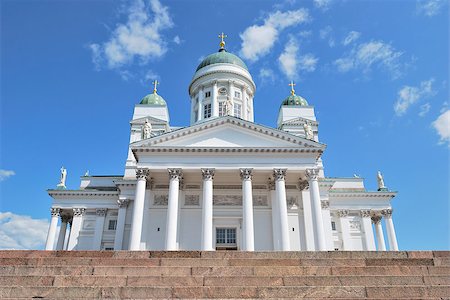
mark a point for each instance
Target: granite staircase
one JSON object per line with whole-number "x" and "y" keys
{"x": 224, "y": 274}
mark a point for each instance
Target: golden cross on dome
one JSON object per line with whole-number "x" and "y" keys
{"x": 155, "y": 83}
{"x": 222, "y": 42}
{"x": 292, "y": 84}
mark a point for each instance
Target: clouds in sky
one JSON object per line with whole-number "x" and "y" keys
{"x": 327, "y": 34}
{"x": 408, "y": 95}
{"x": 424, "y": 109}
{"x": 351, "y": 37}
{"x": 442, "y": 127}
{"x": 258, "y": 40}
{"x": 430, "y": 8}
{"x": 5, "y": 174}
{"x": 139, "y": 38}
{"x": 323, "y": 4}
{"x": 22, "y": 232}
{"x": 291, "y": 63}
{"x": 373, "y": 54}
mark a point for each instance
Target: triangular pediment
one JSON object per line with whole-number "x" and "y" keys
{"x": 300, "y": 121}
{"x": 228, "y": 132}
{"x": 152, "y": 120}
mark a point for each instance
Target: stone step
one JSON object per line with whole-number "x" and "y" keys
{"x": 121, "y": 280}
{"x": 195, "y": 292}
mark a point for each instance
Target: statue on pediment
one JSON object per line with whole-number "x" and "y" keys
{"x": 62, "y": 179}
{"x": 146, "y": 130}
{"x": 308, "y": 131}
{"x": 380, "y": 181}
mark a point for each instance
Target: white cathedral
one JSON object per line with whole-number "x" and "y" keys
{"x": 222, "y": 183}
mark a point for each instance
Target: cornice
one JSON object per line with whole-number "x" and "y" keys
{"x": 364, "y": 194}
{"x": 82, "y": 193}
{"x": 250, "y": 79}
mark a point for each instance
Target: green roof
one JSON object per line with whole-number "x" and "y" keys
{"x": 222, "y": 57}
{"x": 295, "y": 100}
{"x": 153, "y": 99}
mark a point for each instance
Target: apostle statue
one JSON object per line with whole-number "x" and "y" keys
{"x": 228, "y": 107}
{"x": 62, "y": 179}
{"x": 380, "y": 180}
{"x": 308, "y": 131}
{"x": 146, "y": 130}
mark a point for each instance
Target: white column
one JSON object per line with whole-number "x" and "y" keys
{"x": 312, "y": 176}
{"x": 120, "y": 226}
{"x": 214, "y": 103}
{"x": 172, "y": 209}
{"x": 327, "y": 224}
{"x": 99, "y": 225}
{"x": 376, "y": 219}
{"x": 62, "y": 232}
{"x": 344, "y": 228}
{"x": 51, "y": 235}
{"x": 201, "y": 95}
{"x": 247, "y": 209}
{"x": 280, "y": 188}
{"x": 392, "y": 238}
{"x": 307, "y": 216}
{"x": 245, "y": 102}
{"x": 275, "y": 215}
{"x": 369, "y": 240}
{"x": 138, "y": 209}
{"x": 207, "y": 210}
{"x": 75, "y": 228}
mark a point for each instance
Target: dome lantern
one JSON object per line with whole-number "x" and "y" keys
{"x": 153, "y": 98}
{"x": 293, "y": 99}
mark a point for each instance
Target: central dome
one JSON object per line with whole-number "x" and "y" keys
{"x": 222, "y": 57}
{"x": 153, "y": 99}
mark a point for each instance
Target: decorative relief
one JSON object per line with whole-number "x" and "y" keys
{"x": 161, "y": 200}
{"x": 78, "y": 212}
{"x": 279, "y": 174}
{"x": 303, "y": 184}
{"x": 227, "y": 200}
{"x": 208, "y": 174}
{"x": 376, "y": 219}
{"x": 365, "y": 213}
{"x": 325, "y": 204}
{"x": 342, "y": 213}
{"x": 312, "y": 174}
{"x": 55, "y": 211}
{"x": 101, "y": 212}
{"x": 246, "y": 174}
{"x": 142, "y": 173}
{"x": 192, "y": 200}
{"x": 175, "y": 174}
{"x": 355, "y": 225}
{"x": 291, "y": 201}
{"x": 260, "y": 200}
{"x": 123, "y": 203}
{"x": 387, "y": 213}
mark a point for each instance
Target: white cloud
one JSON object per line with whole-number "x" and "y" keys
{"x": 307, "y": 62}
{"x": 408, "y": 95}
{"x": 424, "y": 109}
{"x": 288, "y": 59}
{"x": 442, "y": 126}
{"x": 351, "y": 37}
{"x": 177, "y": 40}
{"x": 305, "y": 33}
{"x": 266, "y": 74}
{"x": 430, "y": 8}
{"x": 140, "y": 38}
{"x": 366, "y": 56}
{"x": 22, "y": 232}
{"x": 5, "y": 174}
{"x": 323, "y": 4}
{"x": 326, "y": 34}
{"x": 258, "y": 40}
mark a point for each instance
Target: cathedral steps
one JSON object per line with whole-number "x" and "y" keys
{"x": 227, "y": 274}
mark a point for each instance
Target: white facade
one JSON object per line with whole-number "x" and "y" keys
{"x": 224, "y": 182}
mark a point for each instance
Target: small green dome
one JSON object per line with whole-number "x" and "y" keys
{"x": 295, "y": 100}
{"x": 222, "y": 57}
{"x": 153, "y": 99}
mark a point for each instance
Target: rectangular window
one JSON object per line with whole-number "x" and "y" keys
{"x": 222, "y": 109}
{"x": 226, "y": 236}
{"x": 237, "y": 110}
{"x": 237, "y": 94}
{"x": 333, "y": 225}
{"x": 207, "y": 110}
{"x": 112, "y": 225}
{"x": 207, "y": 94}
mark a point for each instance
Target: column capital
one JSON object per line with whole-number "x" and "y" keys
{"x": 65, "y": 218}
{"x": 101, "y": 212}
{"x": 279, "y": 174}
{"x": 78, "y": 212}
{"x": 303, "y": 184}
{"x": 123, "y": 203}
{"x": 387, "y": 213}
{"x": 342, "y": 213}
{"x": 246, "y": 174}
{"x": 175, "y": 173}
{"x": 325, "y": 204}
{"x": 208, "y": 174}
{"x": 312, "y": 174}
{"x": 142, "y": 174}
{"x": 365, "y": 213}
{"x": 55, "y": 211}
{"x": 376, "y": 219}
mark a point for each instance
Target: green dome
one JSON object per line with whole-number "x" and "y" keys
{"x": 222, "y": 57}
{"x": 295, "y": 100}
{"x": 153, "y": 99}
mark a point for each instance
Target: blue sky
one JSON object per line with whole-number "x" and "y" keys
{"x": 376, "y": 72}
